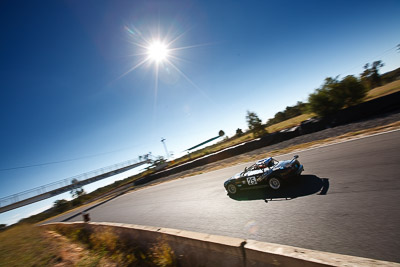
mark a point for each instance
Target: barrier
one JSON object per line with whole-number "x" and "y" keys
{"x": 375, "y": 107}
{"x": 198, "y": 249}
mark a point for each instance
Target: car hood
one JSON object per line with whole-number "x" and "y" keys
{"x": 250, "y": 173}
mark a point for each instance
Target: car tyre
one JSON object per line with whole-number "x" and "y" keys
{"x": 232, "y": 189}
{"x": 275, "y": 183}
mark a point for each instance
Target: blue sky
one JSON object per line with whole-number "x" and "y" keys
{"x": 62, "y": 96}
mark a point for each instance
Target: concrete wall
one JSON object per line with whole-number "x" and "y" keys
{"x": 198, "y": 249}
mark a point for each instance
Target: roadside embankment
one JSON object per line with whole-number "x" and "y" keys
{"x": 384, "y": 123}
{"x": 376, "y": 112}
{"x": 198, "y": 249}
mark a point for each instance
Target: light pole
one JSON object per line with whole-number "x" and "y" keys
{"x": 165, "y": 146}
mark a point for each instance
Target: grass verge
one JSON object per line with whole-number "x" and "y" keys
{"x": 383, "y": 90}
{"x": 28, "y": 245}
{"x": 24, "y": 245}
{"x": 289, "y": 123}
{"x": 105, "y": 243}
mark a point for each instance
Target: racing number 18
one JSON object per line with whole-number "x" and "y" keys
{"x": 251, "y": 180}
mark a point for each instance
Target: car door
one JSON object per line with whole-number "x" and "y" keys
{"x": 252, "y": 178}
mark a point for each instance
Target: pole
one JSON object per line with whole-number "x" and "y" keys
{"x": 165, "y": 147}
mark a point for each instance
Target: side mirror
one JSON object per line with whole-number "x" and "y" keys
{"x": 296, "y": 156}
{"x": 245, "y": 169}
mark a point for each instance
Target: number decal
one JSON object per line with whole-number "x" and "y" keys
{"x": 251, "y": 180}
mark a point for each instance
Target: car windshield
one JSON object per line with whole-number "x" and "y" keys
{"x": 261, "y": 164}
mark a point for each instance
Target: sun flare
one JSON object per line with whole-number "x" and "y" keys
{"x": 157, "y": 51}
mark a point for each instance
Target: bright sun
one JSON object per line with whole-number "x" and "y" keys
{"x": 157, "y": 51}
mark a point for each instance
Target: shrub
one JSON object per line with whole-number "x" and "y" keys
{"x": 334, "y": 95}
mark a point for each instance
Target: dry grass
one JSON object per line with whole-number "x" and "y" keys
{"x": 289, "y": 123}
{"x": 162, "y": 255}
{"x": 384, "y": 90}
{"x": 73, "y": 254}
{"x": 106, "y": 244}
{"x": 25, "y": 245}
{"x": 28, "y": 245}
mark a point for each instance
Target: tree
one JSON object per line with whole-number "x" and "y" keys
{"x": 370, "y": 76}
{"x": 239, "y": 132}
{"x": 254, "y": 123}
{"x": 334, "y": 95}
{"x": 352, "y": 91}
{"x": 221, "y": 133}
{"x": 78, "y": 190}
{"x": 61, "y": 205}
{"x": 158, "y": 162}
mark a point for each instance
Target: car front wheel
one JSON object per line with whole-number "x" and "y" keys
{"x": 274, "y": 183}
{"x": 231, "y": 189}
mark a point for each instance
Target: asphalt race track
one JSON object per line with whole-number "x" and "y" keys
{"x": 347, "y": 201}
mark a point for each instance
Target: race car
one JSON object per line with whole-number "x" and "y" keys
{"x": 267, "y": 172}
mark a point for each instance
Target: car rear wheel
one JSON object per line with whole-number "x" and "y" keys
{"x": 231, "y": 189}
{"x": 274, "y": 183}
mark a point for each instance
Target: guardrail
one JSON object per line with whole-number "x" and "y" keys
{"x": 198, "y": 249}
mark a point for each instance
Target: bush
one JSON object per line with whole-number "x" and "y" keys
{"x": 334, "y": 95}
{"x": 106, "y": 242}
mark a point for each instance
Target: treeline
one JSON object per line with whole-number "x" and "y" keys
{"x": 335, "y": 94}
{"x": 288, "y": 113}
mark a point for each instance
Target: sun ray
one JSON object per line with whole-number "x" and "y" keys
{"x": 159, "y": 51}
{"x": 188, "y": 79}
{"x": 188, "y": 47}
{"x": 138, "y": 44}
{"x": 155, "y": 90}
{"x": 134, "y": 67}
{"x": 179, "y": 59}
{"x": 137, "y": 55}
{"x": 177, "y": 38}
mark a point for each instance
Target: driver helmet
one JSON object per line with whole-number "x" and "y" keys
{"x": 264, "y": 162}
{"x": 267, "y": 161}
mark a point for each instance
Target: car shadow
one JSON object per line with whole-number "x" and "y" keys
{"x": 305, "y": 185}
